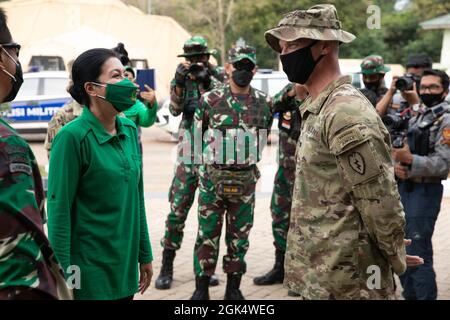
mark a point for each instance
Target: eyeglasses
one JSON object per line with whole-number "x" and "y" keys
{"x": 432, "y": 88}
{"x": 244, "y": 64}
{"x": 12, "y": 45}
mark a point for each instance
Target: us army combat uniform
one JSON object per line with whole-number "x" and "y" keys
{"x": 421, "y": 195}
{"x": 28, "y": 266}
{"x": 346, "y": 213}
{"x": 227, "y": 185}
{"x": 67, "y": 113}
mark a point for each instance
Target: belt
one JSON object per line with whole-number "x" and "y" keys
{"x": 425, "y": 180}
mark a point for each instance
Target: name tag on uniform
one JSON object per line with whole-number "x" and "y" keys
{"x": 232, "y": 190}
{"x": 20, "y": 167}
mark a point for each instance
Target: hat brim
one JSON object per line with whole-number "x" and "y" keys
{"x": 239, "y": 58}
{"x": 383, "y": 70}
{"x": 290, "y": 33}
{"x": 192, "y": 54}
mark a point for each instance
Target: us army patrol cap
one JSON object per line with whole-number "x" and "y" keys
{"x": 374, "y": 64}
{"x": 239, "y": 53}
{"x": 320, "y": 22}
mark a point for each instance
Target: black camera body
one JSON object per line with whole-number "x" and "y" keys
{"x": 406, "y": 83}
{"x": 397, "y": 125}
{"x": 199, "y": 72}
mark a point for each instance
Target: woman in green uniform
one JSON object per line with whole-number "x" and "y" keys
{"x": 96, "y": 214}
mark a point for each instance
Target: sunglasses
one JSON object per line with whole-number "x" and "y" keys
{"x": 244, "y": 65}
{"x": 12, "y": 45}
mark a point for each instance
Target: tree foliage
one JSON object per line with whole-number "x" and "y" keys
{"x": 399, "y": 36}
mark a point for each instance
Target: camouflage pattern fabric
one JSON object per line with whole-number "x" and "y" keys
{"x": 347, "y": 219}
{"x": 185, "y": 180}
{"x": 227, "y": 185}
{"x": 64, "y": 115}
{"x": 26, "y": 258}
{"x": 181, "y": 198}
{"x": 374, "y": 64}
{"x": 281, "y": 202}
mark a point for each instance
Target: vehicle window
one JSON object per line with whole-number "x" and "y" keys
{"x": 276, "y": 84}
{"x": 55, "y": 86}
{"x": 29, "y": 87}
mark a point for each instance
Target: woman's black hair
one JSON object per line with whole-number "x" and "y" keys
{"x": 87, "y": 68}
{"x": 121, "y": 53}
{"x": 5, "y": 35}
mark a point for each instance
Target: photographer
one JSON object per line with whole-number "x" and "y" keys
{"x": 407, "y": 85}
{"x": 193, "y": 77}
{"x": 421, "y": 165}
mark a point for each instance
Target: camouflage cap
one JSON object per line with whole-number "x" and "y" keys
{"x": 374, "y": 64}
{"x": 320, "y": 22}
{"x": 240, "y": 53}
{"x": 195, "y": 46}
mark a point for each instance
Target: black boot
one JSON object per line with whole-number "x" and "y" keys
{"x": 201, "y": 288}
{"x": 164, "y": 280}
{"x": 233, "y": 283}
{"x": 276, "y": 275}
{"x": 213, "y": 281}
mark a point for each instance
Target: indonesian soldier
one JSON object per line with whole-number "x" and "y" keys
{"x": 347, "y": 219}
{"x": 373, "y": 71}
{"x": 234, "y": 123}
{"x": 286, "y": 102}
{"x": 193, "y": 77}
{"x": 422, "y": 164}
{"x": 28, "y": 267}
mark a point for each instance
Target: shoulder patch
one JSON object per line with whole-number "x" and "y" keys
{"x": 20, "y": 167}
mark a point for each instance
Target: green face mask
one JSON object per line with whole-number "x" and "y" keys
{"x": 122, "y": 95}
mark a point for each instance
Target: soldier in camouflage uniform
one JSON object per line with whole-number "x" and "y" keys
{"x": 373, "y": 71}
{"x": 28, "y": 268}
{"x": 67, "y": 113}
{"x": 347, "y": 219}
{"x": 286, "y": 102}
{"x": 234, "y": 123}
{"x": 193, "y": 77}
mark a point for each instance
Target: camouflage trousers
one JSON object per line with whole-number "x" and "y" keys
{"x": 238, "y": 212}
{"x": 181, "y": 198}
{"x": 280, "y": 206}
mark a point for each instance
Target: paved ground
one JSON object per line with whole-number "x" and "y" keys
{"x": 158, "y": 170}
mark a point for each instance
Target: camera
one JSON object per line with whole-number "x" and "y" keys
{"x": 199, "y": 71}
{"x": 397, "y": 125}
{"x": 406, "y": 82}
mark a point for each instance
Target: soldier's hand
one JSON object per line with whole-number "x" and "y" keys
{"x": 148, "y": 95}
{"x": 412, "y": 261}
{"x": 146, "y": 273}
{"x": 181, "y": 74}
{"x": 401, "y": 171}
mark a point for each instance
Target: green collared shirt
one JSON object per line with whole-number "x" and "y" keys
{"x": 96, "y": 212}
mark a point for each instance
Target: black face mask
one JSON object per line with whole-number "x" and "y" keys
{"x": 373, "y": 86}
{"x": 300, "y": 64}
{"x": 242, "y": 78}
{"x": 430, "y": 100}
{"x": 16, "y": 81}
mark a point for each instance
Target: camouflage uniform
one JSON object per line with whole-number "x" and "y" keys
{"x": 374, "y": 64}
{"x": 28, "y": 267}
{"x": 185, "y": 179}
{"x": 227, "y": 183}
{"x": 289, "y": 124}
{"x": 347, "y": 219}
{"x": 67, "y": 113}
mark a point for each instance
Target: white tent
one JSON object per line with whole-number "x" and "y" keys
{"x": 68, "y": 27}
